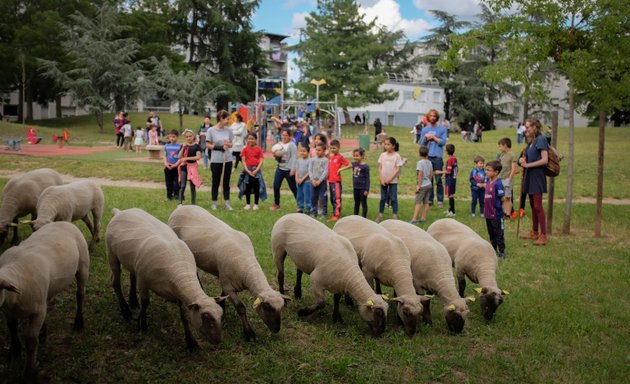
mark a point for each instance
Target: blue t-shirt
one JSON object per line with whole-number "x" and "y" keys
{"x": 477, "y": 176}
{"x": 172, "y": 152}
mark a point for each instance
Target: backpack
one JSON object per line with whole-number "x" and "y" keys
{"x": 552, "y": 169}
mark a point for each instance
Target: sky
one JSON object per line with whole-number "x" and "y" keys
{"x": 286, "y": 17}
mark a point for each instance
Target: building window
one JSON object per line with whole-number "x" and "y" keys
{"x": 437, "y": 96}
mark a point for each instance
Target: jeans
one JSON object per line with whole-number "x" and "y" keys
{"x": 391, "y": 191}
{"x": 477, "y": 195}
{"x": 438, "y": 164}
{"x": 319, "y": 198}
{"x": 304, "y": 198}
{"x": 277, "y": 183}
{"x": 360, "y": 200}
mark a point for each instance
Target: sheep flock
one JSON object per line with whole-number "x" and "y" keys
{"x": 168, "y": 259}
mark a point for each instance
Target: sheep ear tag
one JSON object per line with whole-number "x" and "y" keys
{"x": 451, "y": 307}
{"x": 385, "y": 297}
{"x": 429, "y": 296}
{"x": 478, "y": 290}
{"x": 257, "y": 302}
{"x": 471, "y": 298}
{"x": 504, "y": 292}
{"x": 370, "y": 303}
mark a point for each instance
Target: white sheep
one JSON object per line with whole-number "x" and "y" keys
{"x": 31, "y": 274}
{"x": 384, "y": 257}
{"x": 19, "y": 198}
{"x": 159, "y": 261}
{"x": 474, "y": 257}
{"x": 70, "y": 202}
{"x": 229, "y": 255}
{"x": 332, "y": 264}
{"x": 432, "y": 271}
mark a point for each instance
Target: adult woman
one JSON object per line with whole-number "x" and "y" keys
{"x": 286, "y": 157}
{"x": 118, "y": 122}
{"x": 219, "y": 139}
{"x": 201, "y": 134}
{"x": 239, "y": 129}
{"x": 535, "y": 181}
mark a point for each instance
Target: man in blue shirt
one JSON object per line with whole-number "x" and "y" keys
{"x": 434, "y": 137}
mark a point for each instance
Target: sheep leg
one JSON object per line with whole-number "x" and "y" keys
{"x": 336, "y": 314}
{"x": 15, "y": 348}
{"x": 222, "y": 302}
{"x": 32, "y": 344}
{"x": 426, "y": 312}
{"x": 142, "y": 319}
{"x": 124, "y": 307}
{"x": 297, "y": 290}
{"x": 249, "y": 333}
{"x": 191, "y": 343}
{"x": 78, "y": 318}
{"x": 15, "y": 240}
{"x": 377, "y": 287}
{"x": 88, "y": 224}
{"x": 133, "y": 295}
{"x": 348, "y": 300}
{"x": 96, "y": 216}
{"x": 280, "y": 267}
{"x": 461, "y": 284}
{"x": 43, "y": 333}
{"x": 320, "y": 301}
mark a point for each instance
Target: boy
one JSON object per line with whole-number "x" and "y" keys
{"x": 302, "y": 181}
{"x": 424, "y": 170}
{"x": 171, "y": 161}
{"x": 450, "y": 178}
{"x": 508, "y": 170}
{"x": 318, "y": 173}
{"x": 335, "y": 162}
{"x": 492, "y": 209}
{"x": 477, "y": 179}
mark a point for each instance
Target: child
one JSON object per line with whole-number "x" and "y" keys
{"x": 318, "y": 138}
{"x": 304, "y": 187}
{"x": 477, "y": 179}
{"x": 450, "y": 178}
{"x": 508, "y": 170}
{"x": 153, "y": 135}
{"x": 424, "y": 170}
{"x": 188, "y": 156}
{"x": 335, "y": 162}
{"x": 127, "y": 132}
{"x": 171, "y": 161}
{"x": 139, "y": 140}
{"x": 492, "y": 209}
{"x": 252, "y": 180}
{"x": 318, "y": 174}
{"x": 360, "y": 180}
{"x": 389, "y": 163}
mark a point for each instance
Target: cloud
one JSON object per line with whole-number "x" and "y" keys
{"x": 463, "y": 9}
{"x": 387, "y": 13}
{"x": 290, "y": 4}
{"x": 298, "y": 21}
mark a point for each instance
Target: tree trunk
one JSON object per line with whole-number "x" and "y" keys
{"x": 20, "y": 110}
{"x": 99, "y": 120}
{"x": 346, "y": 116}
{"x": 568, "y": 204}
{"x": 29, "y": 104}
{"x": 600, "y": 174}
{"x": 58, "y": 106}
{"x": 552, "y": 180}
{"x": 193, "y": 34}
{"x": 447, "y": 104}
{"x": 181, "y": 120}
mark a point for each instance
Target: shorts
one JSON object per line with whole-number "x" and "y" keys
{"x": 450, "y": 185}
{"x": 507, "y": 186}
{"x": 422, "y": 196}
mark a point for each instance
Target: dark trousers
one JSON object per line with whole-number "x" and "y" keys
{"x": 277, "y": 183}
{"x": 360, "y": 200}
{"x": 335, "y": 197}
{"x": 237, "y": 158}
{"x": 495, "y": 231}
{"x": 182, "y": 188}
{"x": 216, "y": 169}
{"x": 318, "y": 199}
{"x": 171, "y": 178}
{"x": 477, "y": 195}
{"x": 253, "y": 186}
{"x": 438, "y": 164}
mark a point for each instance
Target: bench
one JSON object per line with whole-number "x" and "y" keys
{"x": 155, "y": 151}
{"x": 13, "y": 143}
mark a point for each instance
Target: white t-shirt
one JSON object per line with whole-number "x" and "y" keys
{"x": 388, "y": 165}
{"x": 426, "y": 167}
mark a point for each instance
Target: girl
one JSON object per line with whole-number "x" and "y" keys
{"x": 153, "y": 135}
{"x": 201, "y": 134}
{"x": 318, "y": 138}
{"x": 220, "y": 140}
{"x": 239, "y": 129}
{"x": 251, "y": 180}
{"x": 286, "y": 168}
{"x": 303, "y": 182}
{"x": 389, "y": 163}
{"x": 188, "y": 171}
{"x": 360, "y": 180}
{"x": 139, "y": 140}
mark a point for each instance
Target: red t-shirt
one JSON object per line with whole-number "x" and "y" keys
{"x": 252, "y": 155}
{"x": 334, "y": 163}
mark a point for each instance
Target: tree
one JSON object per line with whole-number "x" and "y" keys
{"x": 103, "y": 73}
{"x": 350, "y": 53}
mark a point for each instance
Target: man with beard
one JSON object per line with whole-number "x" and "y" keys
{"x": 434, "y": 137}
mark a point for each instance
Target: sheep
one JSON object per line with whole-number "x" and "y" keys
{"x": 159, "y": 261}
{"x": 384, "y": 257}
{"x": 19, "y": 198}
{"x": 70, "y": 202}
{"x": 332, "y": 264}
{"x": 31, "y": 274}
{"x": 229, "y": 255}
{"x": 474, "y": 257}
{"x": 432, "y": 271}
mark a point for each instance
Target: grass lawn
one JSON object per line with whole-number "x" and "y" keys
{"x": 566, "y": 319}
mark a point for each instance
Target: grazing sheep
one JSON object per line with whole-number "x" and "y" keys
{"x": 332, "y": 264}
{"x": 432, "y": 271}
{"x": 474, "y": 257}
{"x": 34, "y": 272}
{"x": 70, "y": 202}
{"x": 19, "y": 198}
{"x": 162, "y": 263}
{"x": 229, "y": 255}
{"x": 384, "y": 257}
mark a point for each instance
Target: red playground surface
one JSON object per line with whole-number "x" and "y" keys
{"x": 54, "y": 150}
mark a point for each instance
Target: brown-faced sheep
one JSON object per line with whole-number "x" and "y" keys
{"x": 332, "y": 264}
{"x": 474, "y": 257}
{"x": 159, "y": 261}
{"x": 229, "y": 255}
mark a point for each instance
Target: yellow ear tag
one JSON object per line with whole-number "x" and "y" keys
{"x": 370, "y": 303}
{"x": 478, "y": 290}
{"x": 451, "y": 307}
{"x": 471, "y": 298}
{"x": 429, "y": 296}
{"x": 385, "y": 297}
{"x": 505, "y": 292}
{"x": 257, "y": 302}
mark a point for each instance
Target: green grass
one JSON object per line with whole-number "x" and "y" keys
{"x": 566, "y": 319}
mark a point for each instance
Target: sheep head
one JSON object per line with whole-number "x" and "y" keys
{"x": 269, "y": 306}
{"x": 205, "y": 315}
{"x": 374, "y": 313}
{"x": 409, "y": 309}
{"x": 489, "y": 299}
{"x": 456, "y": 313}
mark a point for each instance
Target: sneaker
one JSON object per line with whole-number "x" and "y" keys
{"x": 414, "y": 222}
{"x": 247, "y": 207}
{"x": 394, "y": 217}
{"x": 298, "y": 210}
{"x": 541, "y": 240}
{"x": 255, "y": 207}
{"x": 421, "y": 221}
{"x": 521, "y": 212}
{"x": 334, "y": 218}
{"x": 473, "y": 215}
{"x": 501, "y": 255}
{"x": 379, "y": 218}
{"x": 531, "y": 235}
{"x": 440, "y": 204}
{"x": 450, "y": 214}
{"x": 228, "y": 206}
{"x": 214, "y": 206}
{"x": 274, "y": 207}
{"x": 513, "y": 215}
